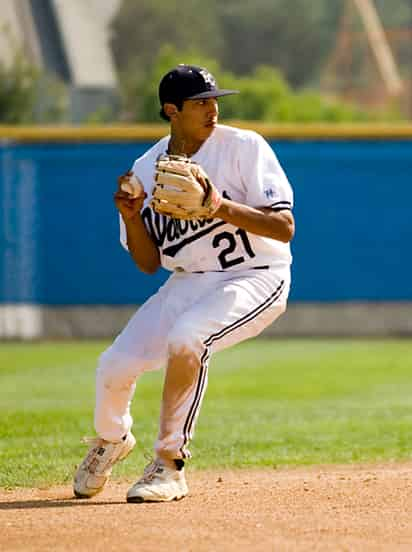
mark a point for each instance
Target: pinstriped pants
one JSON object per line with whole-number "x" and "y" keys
{"x": 200, "y": 313}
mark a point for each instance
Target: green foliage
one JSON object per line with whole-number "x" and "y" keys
{"x": 396, "y": 13}
{"x": 140, "y": 93}
{"x": 17, "y": 91}
{"x": 281, "y": 402}
{"x": 240, "y": 34}
{"x": 292, "y": 42}
{"x": 280, "y": 33}
{"x": 264, "y": 95}
{"x": 51, "y": 100}
{"x": 259, "y": 93}
{"x": 28, "y": 95}
{"x": 141, "y": 29}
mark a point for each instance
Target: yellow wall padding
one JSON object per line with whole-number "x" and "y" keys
{"x": 147, "y": 133}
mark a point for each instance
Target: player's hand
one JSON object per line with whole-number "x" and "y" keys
{"x": 183, "y": 190}
{"x": 130, "y": 202}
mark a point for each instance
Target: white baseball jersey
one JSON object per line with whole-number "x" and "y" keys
{"x": 214, "y": 302}
{"x": 244, "y": 168}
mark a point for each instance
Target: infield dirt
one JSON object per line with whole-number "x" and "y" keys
{"x": 333, "y": 508}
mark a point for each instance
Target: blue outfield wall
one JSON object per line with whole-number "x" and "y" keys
{"x": 59, "y": 228}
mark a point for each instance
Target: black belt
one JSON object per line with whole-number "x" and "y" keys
{"x": 263, "y": 267}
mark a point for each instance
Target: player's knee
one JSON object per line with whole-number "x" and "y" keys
{"x": 182, "y": 340}
{"x": 183, "y": 356}
{"x": 183, "y": 368}
{"x": 116, "y": 370}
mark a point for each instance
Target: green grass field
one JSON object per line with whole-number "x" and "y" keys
{"x": 269, "y": 403}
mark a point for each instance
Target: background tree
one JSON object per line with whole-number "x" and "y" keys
{"x": 29, "y": 96}
{"x": 241, "y": 34}
{"x": 264, "y": 95}
{"x": 140, "y": 29}
{"x": 396, "y": 13}
{"x": 281, "y": 33}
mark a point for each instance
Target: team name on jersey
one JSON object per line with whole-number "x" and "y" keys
{"x": 167, "y": 229}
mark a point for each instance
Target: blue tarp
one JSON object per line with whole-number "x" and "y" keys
{"x": 59, "y": 228}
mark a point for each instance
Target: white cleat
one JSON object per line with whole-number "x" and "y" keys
{"x": 93, "y": 473}
{"x": 159, "y": 483}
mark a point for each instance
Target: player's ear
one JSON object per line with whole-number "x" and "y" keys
{"x": 170, "y": 110}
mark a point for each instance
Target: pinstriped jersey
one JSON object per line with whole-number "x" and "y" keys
{"x": 245, "y": 169}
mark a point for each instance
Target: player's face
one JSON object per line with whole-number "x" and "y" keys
{"x": 198, "y": 118}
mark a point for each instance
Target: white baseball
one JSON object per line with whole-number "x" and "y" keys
{"x": 132, "y": 186}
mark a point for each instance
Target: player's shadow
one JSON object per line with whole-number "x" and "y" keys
{"x": 57, "y": 503}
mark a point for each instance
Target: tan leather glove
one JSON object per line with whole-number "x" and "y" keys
{"x": 183, "y": 190}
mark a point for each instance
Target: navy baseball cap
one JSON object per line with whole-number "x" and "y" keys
{"x": 189, "y": 82}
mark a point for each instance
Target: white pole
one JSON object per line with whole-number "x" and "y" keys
{"x": 380, "y": 46}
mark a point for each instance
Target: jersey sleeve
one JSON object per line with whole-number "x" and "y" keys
{"x": 122, "y": 226}
{"x": 143, "y": 168}
{"x": 123, "y": 237}
{"x": 263, "y": 177}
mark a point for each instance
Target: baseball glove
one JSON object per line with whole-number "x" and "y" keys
{"x": 183, "y": 190}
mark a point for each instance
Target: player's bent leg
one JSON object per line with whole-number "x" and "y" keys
{"x": 247, "y": 305}
{"x": 115, "y": 385}
{"x": 141, "y": 346}
{"x": 164, "y": 479}
{"x": 184, "y": 386}
{"x": 235, "y": 310}
{"x": 116, "y": 376}
{"x": 238, "y": 307}
{"x": 119, "y": 366}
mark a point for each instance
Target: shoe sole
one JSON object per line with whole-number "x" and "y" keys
{"x": 140, "y": 500}
{"x": 78, "y": 495}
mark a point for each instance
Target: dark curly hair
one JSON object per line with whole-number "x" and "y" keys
{"x": 177, "y": 103}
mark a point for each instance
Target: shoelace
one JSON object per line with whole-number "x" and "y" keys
{"x": 92, "y": 441}
{"x": 95, "y": 443}
{"x": 150, "y": 471}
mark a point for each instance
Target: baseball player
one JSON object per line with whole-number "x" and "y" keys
{"x": 211, "y": 204}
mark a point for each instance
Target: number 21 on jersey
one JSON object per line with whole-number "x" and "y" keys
{"x": 232, "y": 241}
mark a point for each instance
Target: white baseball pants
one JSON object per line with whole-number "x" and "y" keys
{"x": 197, "y": 312}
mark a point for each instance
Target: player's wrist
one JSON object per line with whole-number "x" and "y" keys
{"x": 131, "y": 218}
{"x": 223, "y": 209}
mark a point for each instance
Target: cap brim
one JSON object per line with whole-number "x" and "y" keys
{"x": 212, "y": 94}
